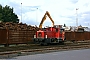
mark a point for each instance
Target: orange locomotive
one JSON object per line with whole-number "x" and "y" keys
{"x": 49, "y": 35}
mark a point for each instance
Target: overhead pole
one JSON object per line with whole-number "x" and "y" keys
{"x": 77, "y": 17}
{"x": 36, "y": 16}
{"x": 21, "y": 12}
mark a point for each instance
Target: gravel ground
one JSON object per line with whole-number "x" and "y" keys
{"x": 83, "y": 54}
{"x": 28, "y": 50}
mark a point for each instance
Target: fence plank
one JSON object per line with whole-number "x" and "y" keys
{"x": 3, "y": 36}
{"x": 21, "y": 36}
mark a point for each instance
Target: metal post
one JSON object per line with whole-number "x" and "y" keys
{"x": 36, "y": 15}
{"x": 76, "y": 17}
{"x": 88, "y": 25}
{"x": 21, "y": 12}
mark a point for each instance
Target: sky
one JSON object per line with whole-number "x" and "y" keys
{"x": 61, "y": 11}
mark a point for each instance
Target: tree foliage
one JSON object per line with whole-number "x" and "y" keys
{"x": 7, "y": 14}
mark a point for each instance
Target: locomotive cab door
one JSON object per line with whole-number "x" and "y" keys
{"x": 62, "y": 33}
{"x": 40, "y": 34}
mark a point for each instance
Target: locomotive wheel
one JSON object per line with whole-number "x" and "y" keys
{"x": 44, "y": 44}
{"x": 41, "y": 44}
{"x": 61, "y": 42}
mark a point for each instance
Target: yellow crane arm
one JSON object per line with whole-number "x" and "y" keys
{"x": 44, "y": 18}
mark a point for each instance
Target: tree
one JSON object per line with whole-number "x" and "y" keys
{"x": 7, "y": 15}
{"x": 1, "y": 15}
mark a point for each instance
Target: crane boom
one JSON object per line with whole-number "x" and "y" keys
{"x": 44, "y": 18}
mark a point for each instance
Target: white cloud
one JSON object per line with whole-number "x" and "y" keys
{"x": 61, "y": 11}
{"x": 29, "y": 2}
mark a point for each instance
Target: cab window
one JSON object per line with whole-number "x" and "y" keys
{"x": 61, "y": 30}
{"x": 56, "y": 30}
{"x": 39, "y": 34}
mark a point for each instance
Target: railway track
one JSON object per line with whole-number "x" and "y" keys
{"x": 41, "y": 49}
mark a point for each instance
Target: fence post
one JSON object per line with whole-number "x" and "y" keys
{"x": 7, "y": 41}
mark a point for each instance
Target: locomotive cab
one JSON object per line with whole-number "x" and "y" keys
{"x": 40, "y": 36}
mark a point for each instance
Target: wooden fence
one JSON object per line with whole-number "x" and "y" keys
{"x": 16, "y": 36}
{"x": 25, "y": 36}
{"x": 77, "y": 35}
{"x": 3, "y": 36}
